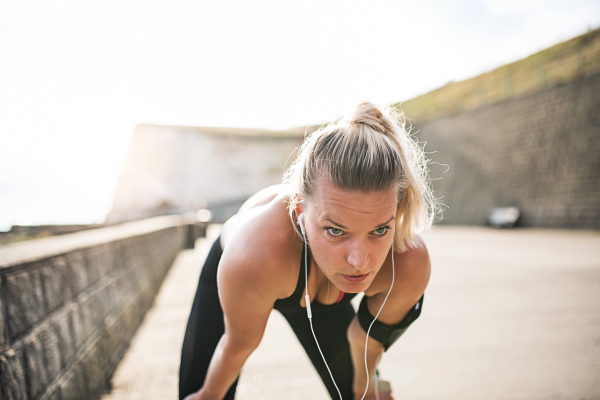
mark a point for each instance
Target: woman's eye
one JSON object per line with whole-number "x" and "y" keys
{"x": 334, "y": 231}
{"x": 381, "y": 231}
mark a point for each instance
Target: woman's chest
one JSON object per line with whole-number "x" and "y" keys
{"x": 320, "y": 288}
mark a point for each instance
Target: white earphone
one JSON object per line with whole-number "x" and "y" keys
{"x": 309, "y": 313}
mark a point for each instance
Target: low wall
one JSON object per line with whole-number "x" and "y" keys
{"x": 69, "y": 305}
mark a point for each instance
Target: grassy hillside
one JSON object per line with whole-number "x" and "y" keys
{"x": 565, "y": 62}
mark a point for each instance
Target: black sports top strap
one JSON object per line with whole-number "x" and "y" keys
{"x": 292, "y": 303}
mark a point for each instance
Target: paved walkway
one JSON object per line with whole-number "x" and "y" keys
{"x": 509, "y": 314}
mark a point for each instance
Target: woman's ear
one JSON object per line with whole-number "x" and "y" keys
{"x": 298, "y": 209}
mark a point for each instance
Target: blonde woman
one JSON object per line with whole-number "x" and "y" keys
{"x": 344, "y": 222}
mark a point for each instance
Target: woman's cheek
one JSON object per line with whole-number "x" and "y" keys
{"x": 332, "y": 261}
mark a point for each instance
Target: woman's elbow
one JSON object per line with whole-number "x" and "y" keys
{"x": 239, "y": 346}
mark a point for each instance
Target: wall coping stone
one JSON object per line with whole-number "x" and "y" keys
{"x": 18, "y": 253}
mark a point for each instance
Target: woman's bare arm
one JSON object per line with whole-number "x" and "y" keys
{"x": 412, "y": 271}
{"x": 247, "y": 294}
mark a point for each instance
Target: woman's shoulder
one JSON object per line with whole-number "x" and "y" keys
{"x": 260, "y": 216}
{"x": 266, "y": 196}
{"x": 260, "y": 242}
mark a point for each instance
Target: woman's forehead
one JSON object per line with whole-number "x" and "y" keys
{"x": 329, "y": 199}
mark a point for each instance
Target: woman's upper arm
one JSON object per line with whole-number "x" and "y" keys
{"x": 412, "y": 272}
{"x": 246, "y": 294}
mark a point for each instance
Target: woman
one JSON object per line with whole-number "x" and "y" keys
{"x": 345, "y": 221}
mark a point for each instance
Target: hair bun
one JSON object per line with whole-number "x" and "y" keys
{"x": 368, "y": 114}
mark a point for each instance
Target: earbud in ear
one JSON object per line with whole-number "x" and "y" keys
{"x": 301, "y": 223}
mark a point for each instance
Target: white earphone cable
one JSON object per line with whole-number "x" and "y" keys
{"x": 309, "y": 312}
{"x": 369, "y": 330}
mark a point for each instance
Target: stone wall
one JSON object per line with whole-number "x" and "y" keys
{"x": 69, "y": 305}
{"x": 539, "y": 152}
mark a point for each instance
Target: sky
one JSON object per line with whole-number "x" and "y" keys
{"x": 76, "y": 77}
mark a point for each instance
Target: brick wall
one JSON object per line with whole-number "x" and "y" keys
{"x": 539, "y": 152}
{"x": 69, "y": 305}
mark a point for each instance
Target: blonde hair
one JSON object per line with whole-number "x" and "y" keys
{"x": 368, "y": 150}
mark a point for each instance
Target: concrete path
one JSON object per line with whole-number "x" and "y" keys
{"x": 509, "y": 314}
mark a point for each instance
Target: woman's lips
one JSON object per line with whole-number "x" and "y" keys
{"x": 355, "y": 278}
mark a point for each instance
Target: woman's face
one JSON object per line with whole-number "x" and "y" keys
{"x": 350, "y": 233}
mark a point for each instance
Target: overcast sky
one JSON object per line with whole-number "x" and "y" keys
{"x": 76, "y": 77}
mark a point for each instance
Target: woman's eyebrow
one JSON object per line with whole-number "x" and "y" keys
{"x": 343, "y": 227}
{"x": 386, "y": 222}
{"x": 335, "y": 223}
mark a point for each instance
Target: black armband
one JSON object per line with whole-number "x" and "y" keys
{"x": 384, "y": 333}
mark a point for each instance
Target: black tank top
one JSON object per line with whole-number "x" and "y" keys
{"x": 292, "y": 303}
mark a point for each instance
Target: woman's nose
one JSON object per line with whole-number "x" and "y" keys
{"x": 358, "y": 256}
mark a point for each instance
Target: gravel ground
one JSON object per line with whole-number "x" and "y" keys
{"x": 508, "y": 314}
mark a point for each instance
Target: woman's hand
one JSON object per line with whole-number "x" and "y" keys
{"x": 201, "y": 395}
{"x": 193, "y": 396}
{"x": 385, "y": 392}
